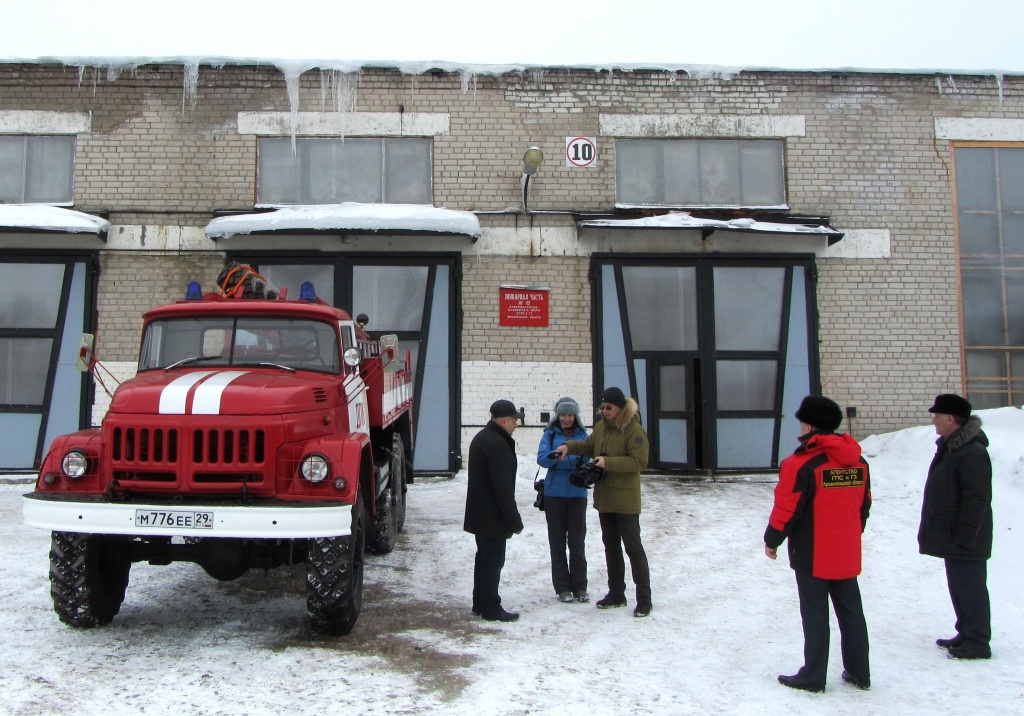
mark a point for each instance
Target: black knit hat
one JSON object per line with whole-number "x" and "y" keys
{"x": 951, "y": 404}
{"x": 613, "y": 396}
{"x": 820, "y": 413}
{"x": 504, "y": 409}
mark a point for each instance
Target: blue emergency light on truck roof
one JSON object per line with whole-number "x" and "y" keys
{"x": 307, "y": 292}
{"x": 193, "y": 292}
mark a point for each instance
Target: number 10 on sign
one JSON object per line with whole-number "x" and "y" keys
{"x": 580, "y": 152}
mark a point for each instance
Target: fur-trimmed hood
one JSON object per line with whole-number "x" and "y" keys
{"x": 629, "y": 412}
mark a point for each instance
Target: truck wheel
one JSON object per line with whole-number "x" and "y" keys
{"x": 398, "y": 479}
{"x": 389, "y": 515}
{"x": 385, "y": 522}
{"x": 334, "y": 577}
{"x": 88, "y": 577}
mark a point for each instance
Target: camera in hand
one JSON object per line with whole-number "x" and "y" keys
{"x": 587, "y": 474}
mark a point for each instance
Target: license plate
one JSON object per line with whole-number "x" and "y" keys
{"x": 174, "y": 518}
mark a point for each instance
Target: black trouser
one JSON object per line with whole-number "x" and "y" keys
{"x": 617, "y": 530}
{"x": 567, "y": 524}
{"x": 853, "y": 630}
{"x": 490, "y": 558}
{"x": 968, "y": 590}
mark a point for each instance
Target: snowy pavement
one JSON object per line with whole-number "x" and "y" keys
{"x": 725, "y": 618}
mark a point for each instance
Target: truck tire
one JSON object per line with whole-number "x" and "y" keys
{"x": 334, "y": 577}
{"x": 88, "y": 577}
{"x": 398, "y": 468}
{"x": 389, "y": 513}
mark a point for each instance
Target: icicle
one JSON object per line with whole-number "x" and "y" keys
{"x": 190, "y": 81}
{"x": 291, "y": 82}
{"x": 537, "y": 76}
{"x": 81, "y": 74}
{"x": 326, "y": 77}
{"x": 113, "y": 73}
{"x": 938, "y": 85}
{"x": 467, "y": 78}
{"x": 999, "y": 84}
{"x": 952, "y": 82}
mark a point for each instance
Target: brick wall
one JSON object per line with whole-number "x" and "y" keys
{"x": 161, "y": 153}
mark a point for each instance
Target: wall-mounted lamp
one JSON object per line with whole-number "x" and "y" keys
{"x": 531, "y": 163}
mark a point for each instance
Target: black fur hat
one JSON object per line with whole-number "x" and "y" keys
{"x": 821, "y": 413}
{"x": 951, "y": 404}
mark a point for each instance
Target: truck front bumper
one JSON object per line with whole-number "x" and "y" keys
{"x": 293, "y": 521}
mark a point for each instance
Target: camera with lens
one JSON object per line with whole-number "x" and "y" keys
{"x": 538, "y": 485}
{"x": 586, "y": 475}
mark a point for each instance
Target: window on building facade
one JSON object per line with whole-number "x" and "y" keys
{"x": 330, "y": 171}
{"x": 36, "y": 169}
{"x": 990, "y": 229}
{"x": 700, "y": 172}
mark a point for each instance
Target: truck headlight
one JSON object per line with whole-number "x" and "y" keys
{"x": 353, "y": 357}
{"x": 315, "y": 468}
{"x": 75, "y": 463}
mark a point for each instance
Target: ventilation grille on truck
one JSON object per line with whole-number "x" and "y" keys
{"x": 145, "y": 445}
{"x": 228, "y": 447}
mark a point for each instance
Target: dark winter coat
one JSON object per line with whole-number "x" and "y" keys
{"x": 822, "y": 501}
{"x": 556, "y": 483}
{"x": 491, "y": 509}
{"x": 624, "y": 444}
{"x": 956, "y": 516}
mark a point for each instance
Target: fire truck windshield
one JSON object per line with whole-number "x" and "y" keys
{"x": 227, "y": 341}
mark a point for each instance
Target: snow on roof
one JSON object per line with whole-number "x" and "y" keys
{"x": 349, "y": 216}
{"x": 51, "y": 218}
{"x": 685, "y": 220}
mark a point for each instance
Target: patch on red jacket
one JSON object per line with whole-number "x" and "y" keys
{"x": 843, "y": 476}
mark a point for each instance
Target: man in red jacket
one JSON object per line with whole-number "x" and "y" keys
{"x": 821, "y": 505}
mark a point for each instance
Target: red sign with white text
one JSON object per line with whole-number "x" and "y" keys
{"x": 523, "y": 306}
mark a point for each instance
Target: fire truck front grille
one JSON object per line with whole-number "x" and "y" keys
{"x": 145, "y": 445}
{"x": 228, "y": 447}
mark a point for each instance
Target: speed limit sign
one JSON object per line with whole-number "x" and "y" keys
{"x": 580, "y": 152}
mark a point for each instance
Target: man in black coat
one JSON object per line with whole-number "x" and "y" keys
{"x": 956, "y": 521}
{"x": 491, "y": 511}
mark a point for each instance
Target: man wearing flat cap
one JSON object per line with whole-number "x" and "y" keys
{"x": 821, "y": 507}
{"x": 491, "y": 511}
{"x": 956, "y": 521}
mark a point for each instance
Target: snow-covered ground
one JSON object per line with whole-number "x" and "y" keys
{"x": 725, "y": 619}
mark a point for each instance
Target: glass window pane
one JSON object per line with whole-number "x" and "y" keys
{"x": 673, "y": 387}
{"x": 278, "y": 173}
{"x": 22, "y": 304}
{"x": 291, "y": 277}
{"x": 983, "y": 308}
{"x": 979, "y": 233}
{"x": 682, "y": 178}
{"x": 1013, "y": 234}
{"x": 746, "y": 385}
{"x": 748, "y": 308}
{"x": 392, "y": 296}
{"x": 407, "y": 171}
{"x": 975, "y": 178}
{"x": 1011, "y": 178}
{"x": 1014, "y": 307}
{"x": 12, "y": 170}
{"x": 985, "y": 364}
{"x": 24, "y": 364}
{"x": 719, "y": 173}
{"x": 50, "y": 169}
{"x": 638, "y": 171}
{"x": 661, "y": 303}
{"x": 761, "y": 167}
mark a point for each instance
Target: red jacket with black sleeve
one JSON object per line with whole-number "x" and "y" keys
{"x": 822, "y": 502}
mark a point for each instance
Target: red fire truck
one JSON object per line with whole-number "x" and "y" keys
{"x": 256, "y": 433}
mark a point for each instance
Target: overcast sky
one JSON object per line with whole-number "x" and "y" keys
{"x": 941, "y": 35}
